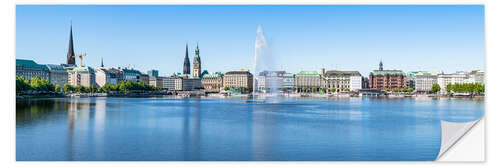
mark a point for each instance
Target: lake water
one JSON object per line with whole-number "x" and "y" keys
{"x": 233, "y": 129}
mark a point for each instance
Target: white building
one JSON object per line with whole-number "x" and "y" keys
{"x": 356, "y": 83}
{"x": 268, "y": 80}
{"x": 342, "y": 80}
{"x": 81, "y": 76}
{"x": 424, "y": 81}
{"x": 107, "y": 75}
{"x": 58, "y": 75}
{"x": 460, "y": 78}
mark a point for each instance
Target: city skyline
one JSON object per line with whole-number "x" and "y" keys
{"x": 230, "y": 47}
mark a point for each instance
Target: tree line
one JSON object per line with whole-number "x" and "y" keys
{"x": 38, "y": 84}
{"x": 465, "y": 88}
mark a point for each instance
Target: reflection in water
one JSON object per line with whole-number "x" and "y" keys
{"x": 232, "y": 129}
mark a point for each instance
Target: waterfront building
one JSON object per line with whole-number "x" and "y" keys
{"x": 186, "y": 68}
{"x": 170, "y": 83}
{"x": 153, "y": 73}
{"x": 58, "y": 75}
{"x": 342, "y": 80}
{"x": 387, "y": 79}
{"x": 212, "y": 82}
{"x": 266, "y": 80}
{"x": 29, "y": 69}
{"x": 476, "y": 76}
{"x": 190, "y": 83}
{"x": 240, "y": 79}
{"x": 70, "y": 57}
{"x": 156, "y": 81}
{"x": 288, "y": 81}
{"x": 107, "y": 75}
{"x": 459, "y": 77}
{"x": 131, "y": 75}
{"x": 424, "y": 81}
{"x": 307, "y": 80}
{"x": 365, "y": 83}
{"x": 144, "y": 78}
{"x": 81, "y": 76}
{"x": 197, "y": 63}
{"x": 410, "y": 78}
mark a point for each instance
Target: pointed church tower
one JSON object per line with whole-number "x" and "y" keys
{"x": 70, "y": 58}
{"x": 380, "y": 66}
{"x": 102, "y": 62}
{"x": 187, "y": 68}
{"x": 197, "y": 63}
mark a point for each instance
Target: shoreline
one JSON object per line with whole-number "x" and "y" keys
{"x": 220, "y": 95}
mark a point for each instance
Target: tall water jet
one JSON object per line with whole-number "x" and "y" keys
{"x": 267, "y": 82}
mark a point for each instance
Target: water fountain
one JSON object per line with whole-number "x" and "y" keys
{"x": 267, "y": 82}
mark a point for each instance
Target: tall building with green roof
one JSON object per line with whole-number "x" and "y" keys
{"x": 29, "y": 69}
{"x": 308, "y": 80}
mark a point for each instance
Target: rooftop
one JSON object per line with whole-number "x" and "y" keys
{"x": 238, "y": 73}
{"x": 29, "y": 64}
{"x": 82, "y": 69}
{"x": 388, "y": 72}
{"x": 333, "y": 73}
{"x": 308, "y": 73}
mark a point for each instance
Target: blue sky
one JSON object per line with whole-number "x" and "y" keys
{"x": 342, "y": 37}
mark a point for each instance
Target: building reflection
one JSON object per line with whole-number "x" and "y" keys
{"x": 191, "y": 129}
{"x": 78, "y": 114}
{"x": 262, "y": 130}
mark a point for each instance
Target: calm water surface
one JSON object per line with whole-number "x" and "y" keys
{"x": 206, "y": 129}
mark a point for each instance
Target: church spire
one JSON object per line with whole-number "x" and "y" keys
{"x": 187, "y": 67}
{"x": 102, "y": 62}
{"x": 70, "y": 58}
{"x": 380, "y": 66}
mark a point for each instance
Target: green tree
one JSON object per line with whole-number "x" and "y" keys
{"x": 58, "y": 88}
{"x": 396, "y": 89}
{"x": 68, "y": 88}
{"x": 409, "y": 90}
{"x": 304, "y": 90}
{"x": 226, "y": 88}
{"x": 435, "y": 88}
{"x": 22, "y": 84}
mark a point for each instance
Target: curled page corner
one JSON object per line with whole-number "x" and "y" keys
{"x": 451, "y": 132}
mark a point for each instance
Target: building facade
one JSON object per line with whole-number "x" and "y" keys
{"x": 307, "y": 80}
{"x": 342, "y": 80}
{"x": 107, "y": 75}
{"x": 156, "y": 81}
{"x": 29, "y": 69}
{"x": 387, "y": 79}
{"x": 455, "y": 78}
{"x": 238, "y": 79}
{"x": 288, "y": 81}
{"x": 82, "y": 76}
{"x": 169, "y": 83}
{"x": 131, "y": 74}
{"x": 213, "y": 82}
{"x": 424, "y": 81}
{"x": 268, "y": 80}
{"x": 58, "y": 75}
